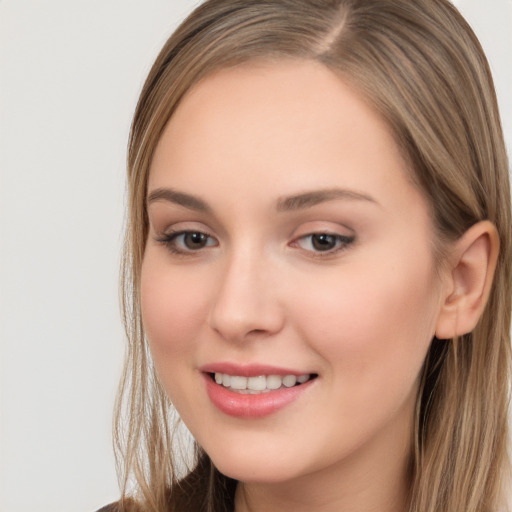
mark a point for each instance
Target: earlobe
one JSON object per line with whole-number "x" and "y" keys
{"x": 472, "y": 264}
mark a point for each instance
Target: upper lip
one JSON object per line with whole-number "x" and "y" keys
{"x": 249, "y": 370}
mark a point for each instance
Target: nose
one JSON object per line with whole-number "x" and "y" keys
{"x": 246, "y": 303}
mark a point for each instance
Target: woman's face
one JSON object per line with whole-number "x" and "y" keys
{"x": 288, "y": 244}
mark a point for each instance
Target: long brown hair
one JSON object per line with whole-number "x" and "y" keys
{"x": 420, "y": 66}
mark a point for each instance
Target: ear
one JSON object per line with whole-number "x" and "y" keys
{"x": 471, "y": 264}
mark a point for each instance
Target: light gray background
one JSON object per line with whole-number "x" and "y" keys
{"x": 70, "y": 73}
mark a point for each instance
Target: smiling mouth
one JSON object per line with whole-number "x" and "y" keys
{"x": 261, "y": 383}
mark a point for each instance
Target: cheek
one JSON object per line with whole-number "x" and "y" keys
{"x": 172, "y": 308}
{"x": 374, "y": 326}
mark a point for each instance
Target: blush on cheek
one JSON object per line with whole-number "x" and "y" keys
{"x": 166, "y": 322}
{"x": 172, "y": 308}
{"x": 380, "y": 318}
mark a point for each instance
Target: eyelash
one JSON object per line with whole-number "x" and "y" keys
{"x": 170, "y": 241}
{"x": 341, "y": 242}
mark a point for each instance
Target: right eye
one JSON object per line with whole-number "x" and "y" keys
{"x": 183, "y": 242}
{"x": 323, "y": 243}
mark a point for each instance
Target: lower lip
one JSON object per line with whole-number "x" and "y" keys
{"x": 252, "y": 406}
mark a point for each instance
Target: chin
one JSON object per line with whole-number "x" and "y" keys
{"x": 248, "y": 469}
{"x": 250, "y": 474}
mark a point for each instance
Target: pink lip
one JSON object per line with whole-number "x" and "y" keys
{"x": 251, "y": 406}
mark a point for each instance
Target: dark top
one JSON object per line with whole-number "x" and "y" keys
{"x": 193, "y": 492}
{"x": 107, "y": 508}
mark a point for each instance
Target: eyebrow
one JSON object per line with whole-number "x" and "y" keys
{"x": 284, "y": 204}
{"x": 180, "y": 198}
{"x": 309, "y": 199}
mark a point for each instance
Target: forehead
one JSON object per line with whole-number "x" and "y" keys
{"x": 294, "y": 124}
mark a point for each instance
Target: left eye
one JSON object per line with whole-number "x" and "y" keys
{"x": 323, "y": 242}
{"x": 187, "y": 241}
{"x": 194, "y": 241}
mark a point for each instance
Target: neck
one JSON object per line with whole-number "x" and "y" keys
{"x": 347, "y": 493}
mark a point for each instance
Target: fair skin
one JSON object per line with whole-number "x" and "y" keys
{"x": 285, "y": 233}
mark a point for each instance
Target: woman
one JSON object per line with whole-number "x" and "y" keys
{"x": 317, "y": 264}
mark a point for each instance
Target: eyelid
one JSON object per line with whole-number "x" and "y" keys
{"x": 341, "y": 243}
{"x": 343, "y": 235}
{"x": 323, "y": 227}
{"x": 170, "y": 236}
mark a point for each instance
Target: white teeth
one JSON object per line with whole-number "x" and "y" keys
{"x": 238, "y": 382}
{"x": 257, "y": 383}
{"x": 289, "y": 381}
{"x": 274, "y": 382}
{"x": 261, "y": 383}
